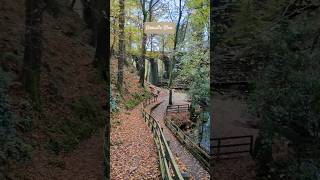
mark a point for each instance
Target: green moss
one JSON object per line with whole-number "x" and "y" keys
{"x": 137, "y": 99}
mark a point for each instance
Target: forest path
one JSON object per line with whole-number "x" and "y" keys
{"x": 192, "y": 165}
{"x": 132, "y": 150}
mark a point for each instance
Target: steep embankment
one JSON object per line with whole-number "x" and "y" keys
{"x": 72, "y": 96}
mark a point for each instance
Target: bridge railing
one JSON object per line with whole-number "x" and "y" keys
{"x": 177, "y": 108}
{"x": 168, "y": 166}
{"x": 199, "y": 153}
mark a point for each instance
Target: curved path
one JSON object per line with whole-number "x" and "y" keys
{"x": 192, "y": 165}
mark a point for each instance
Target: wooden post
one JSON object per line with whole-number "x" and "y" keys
{"x": 178, "y": 108}
{"x": 152, "y": 125}
{"x": 145, "y": 117}
{"x": 251, "y": 144}
{"x": 218, "y": 148}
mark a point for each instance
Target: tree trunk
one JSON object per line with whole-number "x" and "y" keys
{"x": 112, "y": 51}
{"x": 166, "y": 63}
{"x": 102, "y": 46}
{"x": 121, "y": 44}
{"x": 173, "y": 62}
{"x": 129, "y": 48}
{"x": 32, "y": 53}
{"x": 143, "y": 51}
{"x": 72, "y": 4}
{"x": 91, "y": 16}
{"x": 147, "y": 73}
{"x": 102, "y": 61}
{"x": 154, "y": 71}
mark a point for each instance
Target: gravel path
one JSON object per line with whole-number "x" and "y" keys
{"x": 193, "y": 166}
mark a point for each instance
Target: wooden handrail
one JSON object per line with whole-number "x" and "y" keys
{"x": 198, "y": 152}
{"x": 177, "y": 108}
{"x": 166, "y": 158}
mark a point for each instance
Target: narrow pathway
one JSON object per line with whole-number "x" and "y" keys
{"x": 193, "y": 166}
{"x": 133, "y": 151}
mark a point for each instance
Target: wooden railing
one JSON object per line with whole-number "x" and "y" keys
{"x": 177, "y": 108}
{"x": 244, "y": 145}
{"x": 168, "y": 166}
{"x": 200, "y": 154}
{"x": 146, "y": 102}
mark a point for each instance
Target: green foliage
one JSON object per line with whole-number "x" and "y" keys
{"x": 287, "y": 88}
{"x": 284, "y": 57}
{"x": 195, "y": 71}
{"x": 66, "y": 133}
{"x": 12, "y": 148}
{"x": 200, "y": 87}
{"x": 307, "y": 170}
{"x": 136, "y": 99}
{"x": 113, "y": 103}
{"x": 200, "y": 13}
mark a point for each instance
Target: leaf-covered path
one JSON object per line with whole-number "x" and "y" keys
{"x": 133, "y": 151}
{"x": 193, "y": 167}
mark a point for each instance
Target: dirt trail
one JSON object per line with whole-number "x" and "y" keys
{"x": 193, "y": 166}
{"x": 133, "y": 151}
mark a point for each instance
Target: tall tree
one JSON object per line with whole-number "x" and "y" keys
{"x": 153, "y": 61}
{"x": 173, "y": 62}
{"x": 121, "y": 44}
{"x": 102, "y": 48}
{"x": 102, "y": 61}
{"x": 32, "y": 53}
{"x": 145, "y": 13}
{"x": 91, "y": 17}
{"x": 143, "y": 43}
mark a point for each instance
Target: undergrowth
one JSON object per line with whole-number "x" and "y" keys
{"x": 67, "y": 133}
{"x": 12, "y": 148}
{"x": 136, "y": 99}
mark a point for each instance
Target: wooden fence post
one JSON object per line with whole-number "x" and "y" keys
{"x": 145, "y": 117}
{"x": 218, "y": 148}
{"x": 251, "y": 145}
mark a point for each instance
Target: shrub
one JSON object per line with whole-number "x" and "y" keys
{"x": 87, "y": 117}
{"x": 12, "y": 148}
